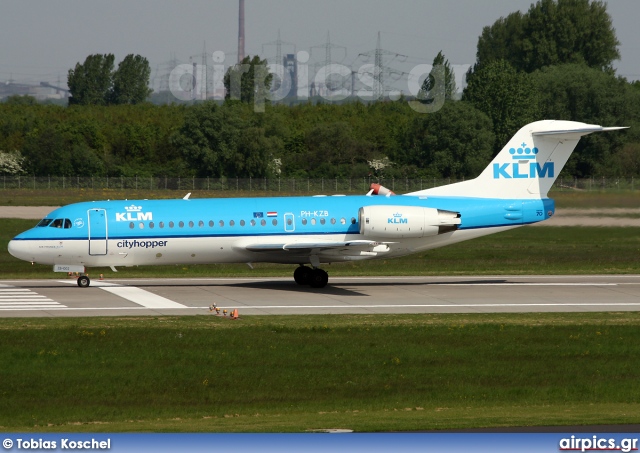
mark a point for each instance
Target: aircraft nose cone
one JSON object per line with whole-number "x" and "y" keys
{"x": 20, "y": 250}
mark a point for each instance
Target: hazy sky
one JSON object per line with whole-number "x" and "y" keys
{"x": 41, "y": 40}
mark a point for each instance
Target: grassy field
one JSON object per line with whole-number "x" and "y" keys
{"x": 367, "y": 373}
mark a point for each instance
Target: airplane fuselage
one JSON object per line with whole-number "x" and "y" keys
{"x": 198, "y": 231}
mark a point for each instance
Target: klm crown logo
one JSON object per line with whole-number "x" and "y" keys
{"x": 524, "y": 152}
{"x": 519, "y": 170}
{"x": 133, "y": 208}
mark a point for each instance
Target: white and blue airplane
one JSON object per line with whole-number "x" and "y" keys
{"x": 510, "y": 192}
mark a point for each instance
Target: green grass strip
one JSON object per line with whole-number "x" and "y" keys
{"x": 298, "y": 373}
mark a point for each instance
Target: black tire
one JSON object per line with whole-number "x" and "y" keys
{"x": 302, "y": 275}
{"x": 319, "y": 278}
{"x": 83, "y": 281}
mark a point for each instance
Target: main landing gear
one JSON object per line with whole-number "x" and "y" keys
{"x": 314, "y": 277}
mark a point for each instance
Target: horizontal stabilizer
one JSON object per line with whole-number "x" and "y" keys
{"x": 588, "y": 129}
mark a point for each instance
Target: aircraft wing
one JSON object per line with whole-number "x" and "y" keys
{"x": 356, "y": 246}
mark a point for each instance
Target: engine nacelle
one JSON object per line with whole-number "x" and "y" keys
{"x": 397, "y": 222}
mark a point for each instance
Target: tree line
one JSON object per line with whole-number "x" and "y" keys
{"x": 553, "y": 62}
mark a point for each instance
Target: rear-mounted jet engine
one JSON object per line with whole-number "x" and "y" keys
{"x": 397, "y": 222}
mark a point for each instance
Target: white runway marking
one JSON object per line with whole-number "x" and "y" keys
{"x": 24, "y": 299}
{"x": 135, "y": 295}
{"x": 142, "y": 297}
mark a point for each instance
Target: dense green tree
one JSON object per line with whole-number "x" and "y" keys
{"x": 332, "y": 150}
{"x": 225, "y": 141}
{"x": 131, "y": 81}
{"x": 579, "y": 93}
{"x": 502, "y": 41}
{"x": 507, "y": 96}
{"x": 457, "y": 141}
{"x": 448, "y": 87}
{"x": 249, "y": 81}
{"x": 17, "y": 99}
{"x": 90, "y": 83}
{"x": 552, "y": 32}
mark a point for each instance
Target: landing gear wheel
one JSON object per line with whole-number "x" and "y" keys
{"x": 319, "y": 278}
{"x": 83, "y": 281}
{"x": 302, "y": 275}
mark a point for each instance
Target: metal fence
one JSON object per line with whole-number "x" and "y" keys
{"x": 272, "y": 185}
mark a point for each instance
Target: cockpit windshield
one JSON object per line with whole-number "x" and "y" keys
{"x": 57, "y": 223}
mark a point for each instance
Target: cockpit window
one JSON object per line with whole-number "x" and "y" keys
{"x": 59, "y": 223}
{"x": 44, "y": 222}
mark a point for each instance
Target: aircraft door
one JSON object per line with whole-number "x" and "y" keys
{"x": 97, "y": 231}
{"x": 289, "y": 222}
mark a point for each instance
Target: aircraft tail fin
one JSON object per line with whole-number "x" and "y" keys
{"x": 528, "y": 165}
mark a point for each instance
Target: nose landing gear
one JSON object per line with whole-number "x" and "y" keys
{"x": 83, "y": 281}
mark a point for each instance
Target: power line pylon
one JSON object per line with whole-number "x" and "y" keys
{"x": 328, "y": 58}
{"x": 381, "y": 70}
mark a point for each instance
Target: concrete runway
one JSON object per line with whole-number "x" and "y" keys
{"x": 279, "y": 296}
